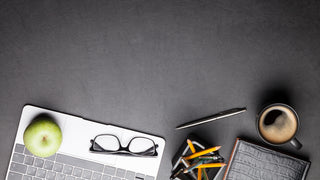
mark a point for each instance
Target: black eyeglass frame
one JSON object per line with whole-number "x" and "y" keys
{"x": 123, "y": 150}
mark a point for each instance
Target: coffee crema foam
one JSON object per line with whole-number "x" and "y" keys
{"x": 282, "y": 129}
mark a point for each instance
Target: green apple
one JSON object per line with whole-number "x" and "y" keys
{"x": 42, "y": 137}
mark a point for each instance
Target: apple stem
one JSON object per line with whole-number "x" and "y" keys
{"x": 44, "y": 138}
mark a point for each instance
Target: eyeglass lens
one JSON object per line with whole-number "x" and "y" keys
{"x": 140, "y": 145}
{"x": 108, "y": 142}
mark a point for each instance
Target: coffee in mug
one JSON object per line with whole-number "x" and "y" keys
{"x": 278, "y": 124}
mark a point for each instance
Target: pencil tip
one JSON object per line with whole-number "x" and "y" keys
{"x": 185, "y": 171}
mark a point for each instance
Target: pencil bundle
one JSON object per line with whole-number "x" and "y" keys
{"x": 200, "y": 161}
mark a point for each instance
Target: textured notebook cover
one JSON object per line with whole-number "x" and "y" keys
{"x": 252, "y": 162}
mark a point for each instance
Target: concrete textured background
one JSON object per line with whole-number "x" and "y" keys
{"x": 152, "y": 65}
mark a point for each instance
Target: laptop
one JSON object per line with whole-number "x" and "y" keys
{"x": 74, "y": 161}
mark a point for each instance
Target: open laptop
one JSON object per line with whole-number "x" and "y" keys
{"x": 74, "y": 161}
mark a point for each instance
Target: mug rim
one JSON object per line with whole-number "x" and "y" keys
{"x": 272, "y": 105}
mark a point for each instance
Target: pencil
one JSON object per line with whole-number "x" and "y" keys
{"x": 192, "y": 167}
{"x": 206, "y": 151}
{"x": 193, "y": 150}
{"x": 211, "y": 165}
{"x": 173, "y": 176}
{"x": 214, "y": 157}
{"x": 186, "y": 165}
{"x": 199, "y": 173}
{"x": 205, "y": 175}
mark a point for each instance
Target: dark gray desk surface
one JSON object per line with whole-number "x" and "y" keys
{"x": 152, "y": 65}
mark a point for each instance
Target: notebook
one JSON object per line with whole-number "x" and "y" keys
{"x": 250, "y": 161}
{"x": 73, "y": 160}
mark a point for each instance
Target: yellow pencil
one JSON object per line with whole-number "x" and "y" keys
{"x": 199, "y": 174}
{"x": 206, "y": 151}
{"x": 211, "y": 165}
{"x": 193, "y": 150}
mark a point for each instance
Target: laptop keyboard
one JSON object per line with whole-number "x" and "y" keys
{"x": 25, "y": 166}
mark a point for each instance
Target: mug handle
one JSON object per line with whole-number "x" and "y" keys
{"x": 294, "y": 142}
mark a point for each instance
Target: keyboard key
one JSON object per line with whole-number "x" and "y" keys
{"x": 67, "y": 170}
{"x": 31, "y": 171}
{"x": 70, "y": 178}
{"x": 60, "y": 176}
{"x": 120, "y": 173}
{"x": 28, "y": 160}
{"x": 14, "y": 176}
{"x": 149, "y": 178}
{"x": 27, "y": 152}
{"x": 25, "y": 177}
{"x": 109, "y": 170}
{"x": 48, "y": 165}
{"x": 18, "y": 158}
{"x": 86, "y": 174}
{"x": 106, "y": 177}
{"x": 52, "y": 158}
{"x": 35, "y": 178}
{"x": 77, "y": 172}
{"x": 38, "y": 162}
{"x": 79, "y": 179}
{"x": 79, "y": 162}
{"x": 20, "y": 168}
{"x": 140, "y": 176}
{"x": 41, "y": 173}
{"x": 51, "y": 175}
{"x": 19, "y": 148}
{"x": 57, "y": 167}
{"x": 116, "y": 178}
{"x": 130, "y": 175}
{"x": 96, "y": 176}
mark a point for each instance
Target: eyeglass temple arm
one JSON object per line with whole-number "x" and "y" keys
{"x": 156, "y": 146}
{"x": 95, "y": 143}
{"x": 150, "y": 150}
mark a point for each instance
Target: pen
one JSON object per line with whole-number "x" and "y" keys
{"x": 227, "y": 113}
{"x": 200, "y": 153}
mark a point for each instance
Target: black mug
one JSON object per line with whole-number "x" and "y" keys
{"x": 278, "y": 124}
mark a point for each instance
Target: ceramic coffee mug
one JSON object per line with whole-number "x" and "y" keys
{"x": 278, "y": 124}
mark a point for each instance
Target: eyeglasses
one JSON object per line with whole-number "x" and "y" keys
{"x": 110, "y": 144}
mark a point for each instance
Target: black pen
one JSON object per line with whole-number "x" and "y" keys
{"x": 214, "y": 117}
